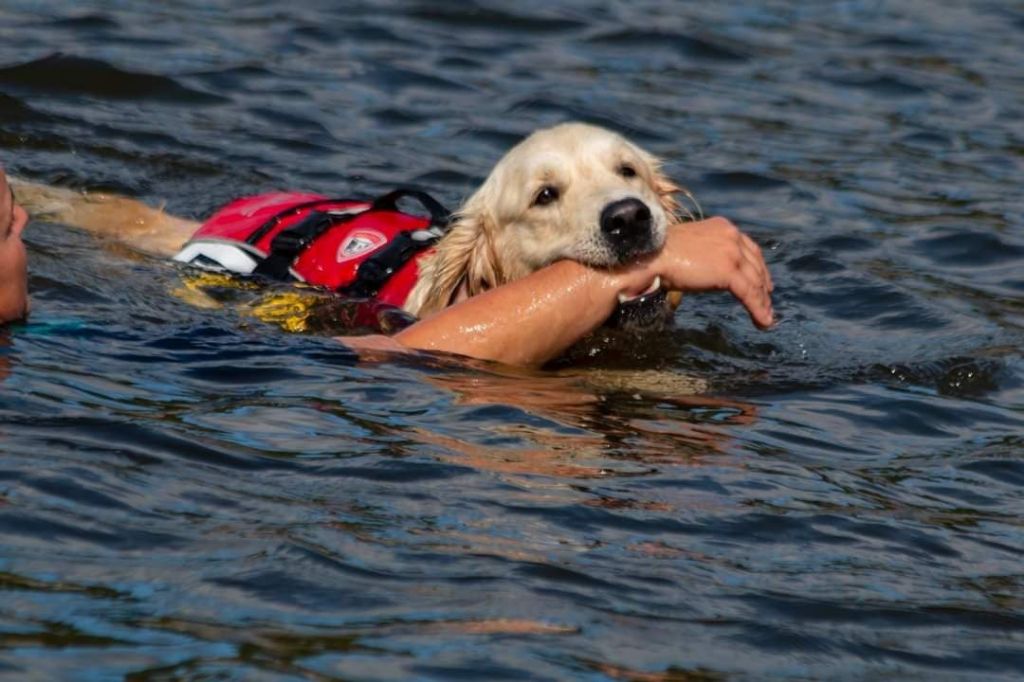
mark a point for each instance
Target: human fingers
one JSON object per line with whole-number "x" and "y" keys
{"x": 765, "y": 297}
{"x": 758, "y": 255}
{"x": 748, "y": 287}
{"x": 756, "y": 268}
{"x": 739, "y": 248}
{"x": 764, "y": 280}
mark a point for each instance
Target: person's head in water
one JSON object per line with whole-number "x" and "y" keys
{"x": 13, "y": 258}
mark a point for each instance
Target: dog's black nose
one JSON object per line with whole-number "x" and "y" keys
{"x": 626, "y": 224}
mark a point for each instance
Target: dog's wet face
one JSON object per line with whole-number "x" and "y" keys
{"x": 574, "y": 191}
{"x": 578, "y": 192}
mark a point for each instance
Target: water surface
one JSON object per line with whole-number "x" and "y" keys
{"x": 191, "y": 494}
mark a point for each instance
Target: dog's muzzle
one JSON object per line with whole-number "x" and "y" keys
{"x": 650, "y": 311}
{"x": 627, "y": 226}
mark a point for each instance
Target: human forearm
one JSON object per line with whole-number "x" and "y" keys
{"x": 528, "y": 321}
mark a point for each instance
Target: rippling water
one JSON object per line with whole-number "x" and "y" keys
{"x": 190, "y": 494}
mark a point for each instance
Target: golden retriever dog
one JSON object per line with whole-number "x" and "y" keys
{"x": 572, "y": 191}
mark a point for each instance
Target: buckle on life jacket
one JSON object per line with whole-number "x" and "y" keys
{"x": 375, "y": 271}
{"x": 289, "y": 243}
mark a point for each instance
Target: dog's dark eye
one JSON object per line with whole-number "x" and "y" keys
{"x": 545, "y": 196}
{"x": 627, "y": 171}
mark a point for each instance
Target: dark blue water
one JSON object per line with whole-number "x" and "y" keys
{"x": 189, "y": 493}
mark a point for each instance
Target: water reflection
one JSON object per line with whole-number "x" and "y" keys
{"x": 591, "y": 425}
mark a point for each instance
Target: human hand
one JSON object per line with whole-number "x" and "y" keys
{"x": 713, "y": 254}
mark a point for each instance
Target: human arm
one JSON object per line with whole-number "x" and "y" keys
{"x": 536, "y": 318}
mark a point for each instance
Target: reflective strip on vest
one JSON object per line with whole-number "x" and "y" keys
{"x": 211, "y": 255}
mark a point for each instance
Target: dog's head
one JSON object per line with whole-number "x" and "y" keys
{"x": 574, "y": 191}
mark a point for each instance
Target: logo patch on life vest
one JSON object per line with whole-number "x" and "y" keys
{"x": 358, "y": 243}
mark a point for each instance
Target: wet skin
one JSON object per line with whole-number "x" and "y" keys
{"x": 13, "y": 258}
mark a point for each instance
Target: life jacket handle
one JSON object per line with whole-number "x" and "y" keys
{"x": 261, "y": 231}
{"x": 439, "y": 215}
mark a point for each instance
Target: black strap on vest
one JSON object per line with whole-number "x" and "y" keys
{"x": 287, "y": 244}
{"x": 373, "y": 272}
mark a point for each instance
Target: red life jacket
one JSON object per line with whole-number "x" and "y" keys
{"x": 362, "y": 249}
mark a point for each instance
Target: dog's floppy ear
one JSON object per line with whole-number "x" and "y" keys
{"x": 465, "y": 261}
{"x": 668, "y": 192}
